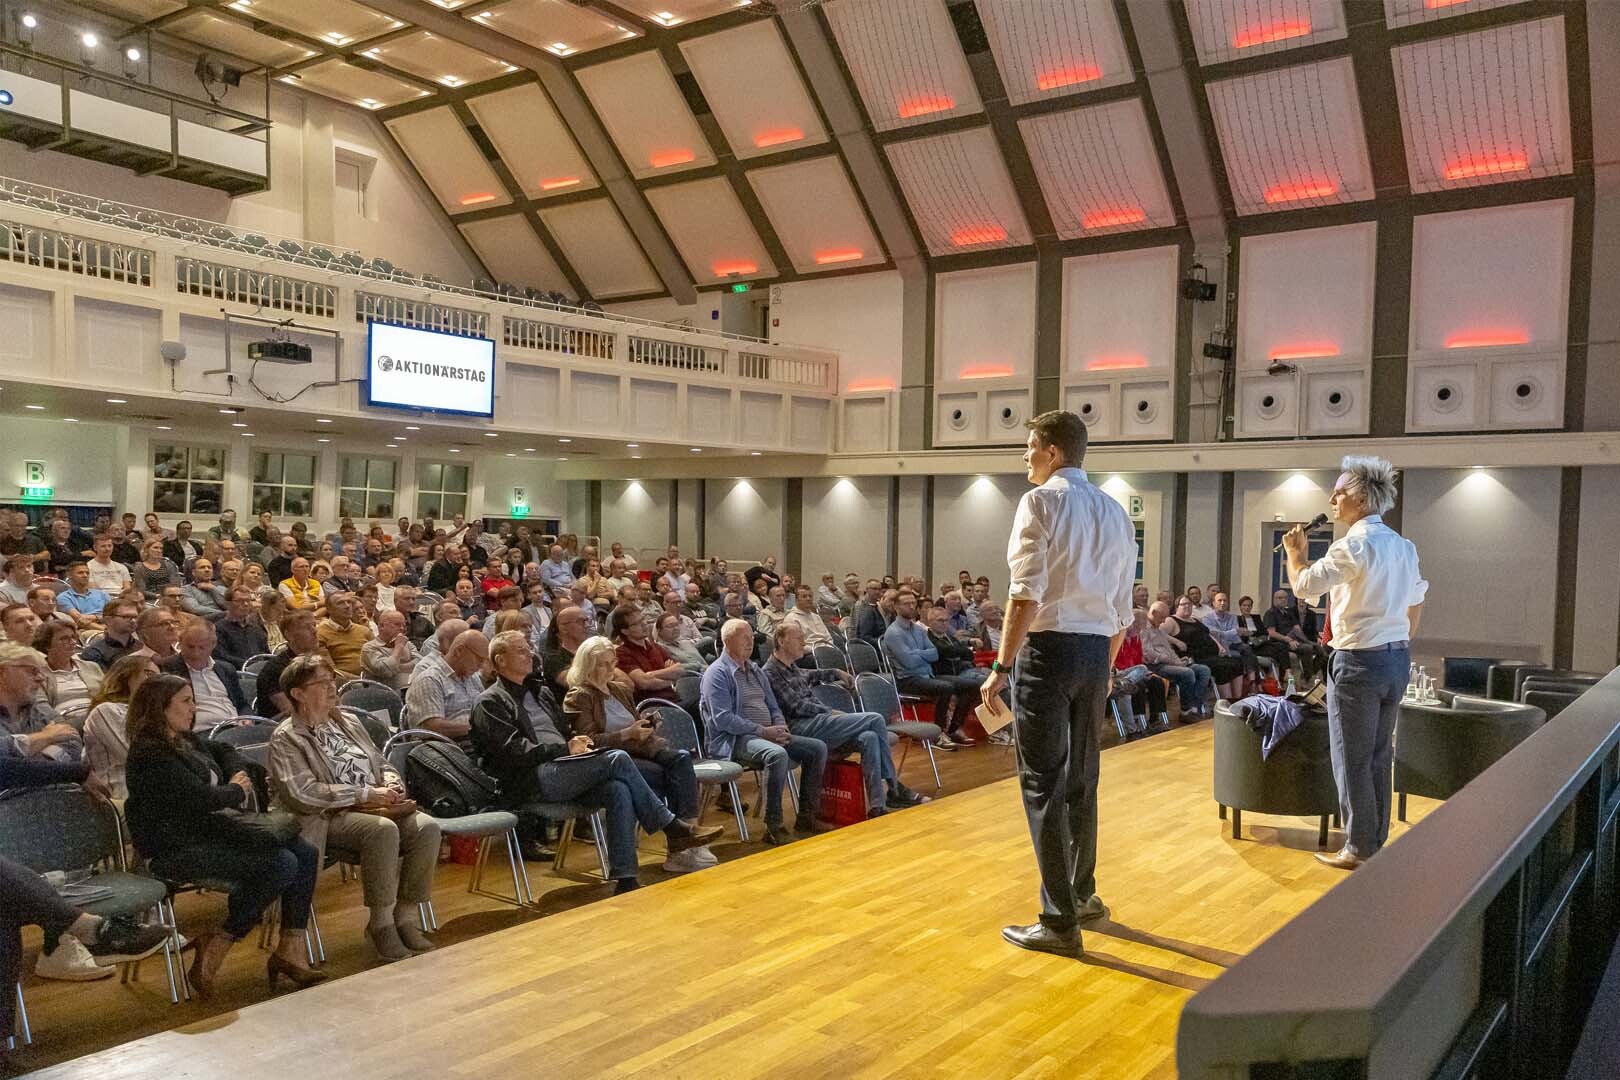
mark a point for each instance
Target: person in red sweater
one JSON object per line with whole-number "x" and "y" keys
{"x": 1135, "y": 690}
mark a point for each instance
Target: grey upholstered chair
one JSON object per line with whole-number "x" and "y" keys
{"x": 1296, "y": 779}
{"x": 1468, "y": 674}
{"x": 1438, "y": 749}
{"x": 1501, "y": 680}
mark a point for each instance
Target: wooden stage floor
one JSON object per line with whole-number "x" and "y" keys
{"x": 873, "y": 951}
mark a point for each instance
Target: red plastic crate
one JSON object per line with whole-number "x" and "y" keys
{"x": 843, "y": 793}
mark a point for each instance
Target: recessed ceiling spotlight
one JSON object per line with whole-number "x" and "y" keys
{"x": 492, "y": 435}
{"x": 247, "y": 434}
{"x": 565, "y": 440}
{"x": 563, "y": 458}
{"x": 117, "y": 401}
{"x": 318, "y": 419}
{"x": 528, "y": 449}
{"x": 70, "y": 419}
{"x": 633, "y": 445}
{"x": 36, "y": 408}
{"x": 511, "y": 455}
{"x": 755, "y": 453}
{"x": 455, "y": 449}
{"x": 636, "y": 457}
{"x": 323, "y": 440}
{"x": 697, "y": 449}
{"x": 229, "y": 412}
{"x": 412, "y": 427}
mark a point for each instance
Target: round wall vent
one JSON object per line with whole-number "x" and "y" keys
{"x": 1525, "y": 394}
{"x": 1009, "y": 417}
{"x": 1270, "y": 406}
{"x": 958, "y": 419}
{"x": 1145, "y": 411}
{"x": 1338, "y": 401}
{"x": 1446, "y": 397}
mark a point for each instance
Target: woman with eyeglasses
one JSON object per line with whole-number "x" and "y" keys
{"x": 182, "y": 791}
{"x": 326, "y": 770}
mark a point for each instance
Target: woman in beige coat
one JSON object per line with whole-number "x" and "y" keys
{"x": 325, "y": 769}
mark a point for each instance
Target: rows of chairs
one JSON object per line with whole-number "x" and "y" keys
{"x": 879, "y": 692}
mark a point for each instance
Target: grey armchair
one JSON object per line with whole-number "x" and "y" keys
{"x": 1296, "y": 779}
{"x": 1438, "y": 748}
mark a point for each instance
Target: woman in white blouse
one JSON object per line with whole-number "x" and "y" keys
{"x": 106, "y": 742}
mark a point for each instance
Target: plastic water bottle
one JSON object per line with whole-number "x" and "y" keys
{"x": 1425, "y": 687}
{"x": 1411, "y": 683}
{"x": 1290, "y": 690}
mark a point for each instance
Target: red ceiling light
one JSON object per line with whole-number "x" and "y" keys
{"x": 474, "y": 200}
{"x": 1484, "y": 339}
{"x": 663, "y": 159}
{"x": 987, "y": 371}
{"x": 778, "y": 136}
{"x": 1306, "y": 189}
{"x": 1306, "y": 350}
{"x": 839, "y": 255}
{"x": 558, "y": 182}
{"x": 1433, "y": 4}
{"x": 978, "y": 234}
{"x": 1105, "y": 219}
{"x": 869, "y": 386}
{"x": 1468, "y": 168}
{"x": 732, "y": 269}
{"x": 922, "y": 106}
{"x": 1269, "y": 32}
{"x": 1116, "y": 363}
{"x": 1069, "y": 76}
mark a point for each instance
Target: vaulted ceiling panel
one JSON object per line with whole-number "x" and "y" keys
{"x": 711, "y": 230}
{"x": 646, "y": 115}
{"x": 906, "y": 60}
{"x": 336, "y": 22}
{"x": 533, "y": 141}
{"x": 558, "y": 26}
{"x": 368, "y": 89}
{"x": 600, "y": 248}
{"x": 1048, "y": 50}
{"x": 959, "y": 192}
{"x": 676, "y": 12}
{"x": 213, "y": 32}
{"x": 1229, "y": 29}
{"x": 437, "y": 59}
{"x": 140, "y": 10}
{"x": 750, "y": 82}
{"x": 1292, "y": 137}
{"x": 1098, "y": 169}
{"x": 1486, "y": 107}
{"x": 513, "y": 253}
{"x": 816, "y": 215}
{"x": 1407, "y": 12}
{"x": 448, "y": 159}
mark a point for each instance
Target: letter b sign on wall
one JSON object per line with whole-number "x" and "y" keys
{"x": 33, "y": 473}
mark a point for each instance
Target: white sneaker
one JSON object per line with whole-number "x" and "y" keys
{"x": 685, "y": 862}
{"x": 704, "y": 856}
{"x": 71, "y": 962}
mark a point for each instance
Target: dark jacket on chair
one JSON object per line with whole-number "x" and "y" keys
{"x": 176, "y": 665}
{"x": 507, "y": 743}
{"x": 173, "y": 799}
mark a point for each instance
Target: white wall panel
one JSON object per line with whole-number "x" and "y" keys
{"x": 743, "y": 521}
{"x": 533, "y": 141}
{"x": 959, "y": 192}
{"x": 846, "y": 527}
{"x": 1098, "y": 169}
{"x": 984, "y": 323}
{"x": 817, "y": 215}
{"x": 1307, "y": 295}
{"x": 600, "y": 248}
{"x": 858, "y": 317}
{"x": 514, "y": 253}
{"x": 907, "y": 63}
{"x": 711, "y": 230}
{"x": 1119, "y": 311}
{"x": 636, "y": 513}
{"x": 646, "y": 114}
{"x": 751, "y": 83}
{"x": 1049, "y": 50}
{"x": 449, "y": 160}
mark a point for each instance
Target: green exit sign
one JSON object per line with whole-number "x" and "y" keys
{"x": 520, "y": 511}
{"x": 742, "y": 286}
{"x": 36, "y": 491}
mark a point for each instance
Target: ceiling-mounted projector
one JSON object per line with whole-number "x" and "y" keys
{"x": 280, "y": 352}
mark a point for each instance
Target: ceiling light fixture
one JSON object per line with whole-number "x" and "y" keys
{"x": 1116, "y": 363}
{"x": 1313, "y": 350}
{"x": 1487, "y": 339}
{"x": 778, "y": 136}
{"x": 632, "y": 446}
{"x": 560, "y": 48}
{"x": 117, "y": 401}
{"x": 922, "y": 106}
{"x": 755, "y": 453}
{"x": 1295, "y": 192}
{"x": 565, "y": 440}
{"x": 697, "y": 449}
{"x": 1469, "y": 168}
{"x": 323, "y": 440}
{"x": 412, "y": 427}
{"x": 492, "y": 435}
{"x": 455, "y": 450}
{"x": 1265, "y": 35}
{"x": 164, "y": 427}
{"x": 663, "y": 159}
{"x": 528, "y": 449}
{"x": 511, "y": 455}
{"x": 839, "y": 255}
{"x": 36, "y": 408}
{"x": 987, "y": 371}
{"x": 70, "y": 419}
{"x": 1070, "y": 76}
{"x": 734, "y": 269}
{"x": 1107, "y": 219}
{"x": 482, "y": 197}
{"x": 665, "y": 18}
{"x": 869, "y": 386}
{"x": 238, "y": 424}
{"x": 558, "y": 182}
{"x": 978, "y": 234}
{"x": 229, "y": 412}
{"x": 318, "y": 419}
{"x": 247, "y": 434}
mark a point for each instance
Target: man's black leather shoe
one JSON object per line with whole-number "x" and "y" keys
{"x": 1039, "y": 937}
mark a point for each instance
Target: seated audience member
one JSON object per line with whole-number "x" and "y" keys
{"x": 598, "y": 589}
{"x": 19, "y": 623}
{"x": 345, "y": 575}
{"x": 990, "y": 618}
{"x": 1162, "y": 657}
{"x": 685, "y": 627}
{"x": 775, "y": 611}
{"x": 70, "y": 681}
{"x": 869, "y": 622}
{"x": 958, "y": 623}
{"x": 444, "y": 688}
{"x": 850, "y": 596}
{"x": 203, "y": 596}
{"x": 955, "y": 655}
{"x": 446, "y": 612}
{"x": 240, "y": 633}
{"x": 107, "y": 573}
{"x": 300, "y": 638}
{"x": 913, "y": 657}
{"x": 60, "y": 549}
{"x": 1200, "y": 609}
{"x": 159, "y": 632}
{"x": 601, "y": 703}
{"x": 1131, "y": 682}
{"x": 181, "y": 792}
{"x": 390, "y": 657}
{"x": 19, "y": 579}
{"x": 418, "y": 627}
{"x": 595, "y": 620}
{"x": 1284, "y": 628}
{"x": 299, "y": 589}
{"x": 568, "y": 630}
{"x": 508, "y": 598}
{"x": 1253, "y": 633}
{"x": 325, "y": 769}
{"x": 387, "y": 580}
{"x": 154, "y": 571}
{"x": 616, "y": 551}
{"x": 695, "y": 608}
{"x": 106, "y": 734}
{"x": 675, "y": 573}
{"x": 173, "y": 600}
{"x": 808, "y": 619}
{"x": 278, "y": 562}
{"x": 866, "y": 733}
{"x": 260, "y": 533}
{"x": 1199, "y": 646}
{"x": 733, "y": 606}
{"x": 619, "y": 576}
{"x": 528, "y": 745}
{"x": 182, "y": 550}
{"x": 29, "y": 727}
{"x": 341, "y": 636}
{"x": 537, "y": 612}
{"x": 766, "y": 571}
{"x": 17, "y": 540}
{"x": 760, "y": 596}
{"x": 680, "y": 650}
{"x": 216, "y": 689}
{"x": 827, "y": 596}
{"x": 119, "y": 617}
{"x": 1141, "y": 597}
{"x": 226, "y": 528}
{"x": 252, "y": 576}
{"x": 745, "y": 724}
{"x": 321, "y": 572}
{"x": 492, "y": 582}
{"x": 556, "y": 573}
{"x": 271, "y": 609}
{"x": 1222, "y": 625}
{"x": 42, "y": 602}
{"x": 650, "y": 670}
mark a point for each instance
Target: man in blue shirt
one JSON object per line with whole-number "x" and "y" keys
{"x": 556, "y": 574}
{"x": 79, "y": 600}
{"x": 745, "y": 724}
{"x": 913, "y": 656}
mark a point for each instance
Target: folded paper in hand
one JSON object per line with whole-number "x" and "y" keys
{"x": 994, "y": 716}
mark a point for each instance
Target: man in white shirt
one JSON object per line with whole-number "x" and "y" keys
{"x": 1071, "y": 560}
{"x": 1375, "y": 598}
{"x": 105, "y": 574}
{"x": 805, "y": 616}
{"x": 19, "y": 579}
{"x": 214, "y": 685}
{"x": 617, "y": 552}
{"x": 1200, "y": 610}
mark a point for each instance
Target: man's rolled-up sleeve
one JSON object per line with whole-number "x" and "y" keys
{"x": 1342, "y": 563}
{"x": 1026, "y": 552}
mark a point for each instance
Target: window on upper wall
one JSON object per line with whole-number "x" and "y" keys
{"x": 284, "y": 484}
{"x": 441, "y": 490}
{"x": 366, "y": 487}
{"x": 187, "y": 479}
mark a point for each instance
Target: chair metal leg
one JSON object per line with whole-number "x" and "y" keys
{"x": 477, "y": 877}
{"x": 22, "y": 1021}
{"x": 523, "y": 867}
{"x": 1119, "y": 724}
{"x": 1322, "y": 833}
{"x": 736, "y": 808}
{"x": 510, "y": 836}
{"x": 170, "y": 959}
{"x": 599, "y": 832}
{"x": 316, "y": 945}
{"x": 933, "y": 763}
{"x": 1401, "y": 813}
{"x": 167, "y": 917}
{"x": 1237, "y": 824}
{"x": 559, "y": 862}
{"x": 1223, "y": 810}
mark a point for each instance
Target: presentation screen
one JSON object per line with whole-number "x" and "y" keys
{"x": 409, "y": 368}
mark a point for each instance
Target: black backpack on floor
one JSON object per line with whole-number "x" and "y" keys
{"x": 445, "y": 783}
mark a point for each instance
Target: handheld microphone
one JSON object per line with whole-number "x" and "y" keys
{"x": 1311, "y": 526}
